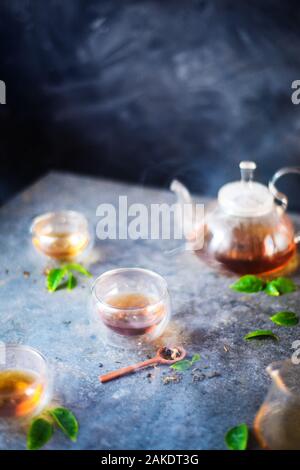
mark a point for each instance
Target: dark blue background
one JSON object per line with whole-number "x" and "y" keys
{"x": 145, "y": 91}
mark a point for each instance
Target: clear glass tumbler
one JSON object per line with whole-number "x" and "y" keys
{"x": 132, "y": 306}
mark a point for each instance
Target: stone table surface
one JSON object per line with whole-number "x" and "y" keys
{"x": 136, "y": 412}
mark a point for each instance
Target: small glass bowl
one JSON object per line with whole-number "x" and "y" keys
{"x": 25, "y": 382}
{"x": 131, "y": 305}
{"x": 61, "y": 235}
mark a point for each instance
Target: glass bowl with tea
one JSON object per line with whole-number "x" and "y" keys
{"x": 25, "y": 381}
{"x": 132, "y": 306}
{"x": 62, "y": 235}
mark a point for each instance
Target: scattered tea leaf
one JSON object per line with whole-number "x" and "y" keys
{"x": 285, "y": 318}
{"x": 284, "y": 285}
{"x": 67, "y": 422}
{"x": 237, "y": 438}
{"x": 169, "y": 379}
{"x": 251, "y": 284}
{"x": 54, "y": 278}
{"x": 261, "y": 334}
{"x": 195, "y": 358}
{"x": 40, "y": 432}
{"x": 185, "y": 364}
{"x": 72, "y": 281}
{"x": 78, "y": 268}
{"x": 271, "y": 289}
{"x": 248, "y": 284}
{"x": 181, "y": 366}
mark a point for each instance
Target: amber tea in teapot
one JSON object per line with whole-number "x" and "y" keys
{"x": 248, "y": 255}
{"x": 248, "y": 230}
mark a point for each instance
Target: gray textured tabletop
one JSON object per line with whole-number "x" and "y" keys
{"x": 136, "y": 412}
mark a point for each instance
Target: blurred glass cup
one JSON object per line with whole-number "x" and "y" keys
{"x": 62, "y": 236}
{"x": 25, "y": 381}
{"x": 277, "y": 423}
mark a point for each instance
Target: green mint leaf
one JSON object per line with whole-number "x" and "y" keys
{"x": 195, "y": 358}
{"x": 54, "y": 278}
{"x": 40, "y": 432}
{"x": 271, "y": 289}
{"x": 181, "y": 366}
{"x": 237, "y": 438}
{"x": 185, "y": 364}
{"x": 72, "y": 281}
{"x": 284, "y": 285}
{"x": 67, "y": 422}
{"x": 285, "y": 318}
{"x": 248, "y": 284}
{"x": 261, "y": 334}
{"x": 78, "y": 268}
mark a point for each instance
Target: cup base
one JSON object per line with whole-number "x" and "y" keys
{"x": 111, "y": 338}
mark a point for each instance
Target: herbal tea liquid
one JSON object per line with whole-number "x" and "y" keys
{"x": 132, "y": 314}
{"x": 20, "y": 393}
{"x": 61, "y": 245}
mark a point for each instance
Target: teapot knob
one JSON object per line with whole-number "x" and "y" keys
{"x": 247, "y": 170}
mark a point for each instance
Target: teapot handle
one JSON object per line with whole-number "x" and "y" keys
{"x": 280, "y": 197}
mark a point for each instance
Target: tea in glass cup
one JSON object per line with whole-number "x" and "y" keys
{"x": 25, "y": 385}
{"x": 132, "y": 305}
{"x": 61, "y": 235}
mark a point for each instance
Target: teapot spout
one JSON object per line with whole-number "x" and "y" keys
{"x": 182, "y": 193}
{"x": 277, "y": 371}
{"x": 274, "y": 369}
{"x": 189, "y": 216}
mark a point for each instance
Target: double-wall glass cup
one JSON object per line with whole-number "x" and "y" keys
{"x": 131, "y": 306}
{"x": 62, "y": 236}
{"x": 25, "y": 381}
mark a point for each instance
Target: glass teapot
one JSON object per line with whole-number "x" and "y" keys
{"x": 247, "y": 230}
{"x": 277, "y": 423}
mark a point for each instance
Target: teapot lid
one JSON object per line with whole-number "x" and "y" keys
{"x": 246, "y": 198}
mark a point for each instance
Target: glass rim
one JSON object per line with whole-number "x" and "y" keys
{"x": 111, "y": 272}
{"x": 72, "y": 213}
{"x": 30, "y": 349}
